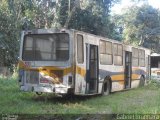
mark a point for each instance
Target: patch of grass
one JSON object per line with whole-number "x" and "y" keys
{"x": 154, "y": 84}
{"x": 145, "y": 100}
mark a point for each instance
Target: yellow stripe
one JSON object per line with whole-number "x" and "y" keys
{"x": 117, "y": 77}
{"x": 80, "y": 71}
{"x": 121, "y": 77}
{"x": 47, "y": 70}
{"x": 135, "y": 76}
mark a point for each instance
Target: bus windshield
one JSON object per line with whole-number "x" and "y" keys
{"x": 46, "y": 47}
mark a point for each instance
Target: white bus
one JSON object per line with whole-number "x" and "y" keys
{"x": 71, "y": 61}
{"x": 155, "y": 66}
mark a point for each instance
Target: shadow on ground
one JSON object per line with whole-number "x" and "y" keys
{"x": 62, "y": 99}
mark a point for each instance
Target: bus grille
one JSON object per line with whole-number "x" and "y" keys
{"x": 32, "y": 77}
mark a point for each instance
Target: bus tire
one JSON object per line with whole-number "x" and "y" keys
{"x": 39, "y": 93}
{"x": 142, "y": 81}
{"x": 106, "y": 88}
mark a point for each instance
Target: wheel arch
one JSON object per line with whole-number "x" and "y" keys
{"x": 143, "y": 77}
{"x": 110, "y": 81}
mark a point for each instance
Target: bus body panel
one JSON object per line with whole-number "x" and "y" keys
{"x": 83, "y": 73}
{"x": 155, "y": 66}
{"x": 56, "y": 76}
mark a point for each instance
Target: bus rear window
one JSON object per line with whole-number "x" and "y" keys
{"x": 46, "y": 47}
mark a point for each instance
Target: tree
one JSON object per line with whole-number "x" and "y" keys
{"x": 16, "y": 15}
{"x": 141, "y": 26}
{"x": 11, "y": 15}
{"x": 8, "y": 34}
{"x": 89, "y": 16}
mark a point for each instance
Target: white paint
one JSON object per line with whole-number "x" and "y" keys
{"x": 116, "y": 86}
{"x": 135, "y": 83}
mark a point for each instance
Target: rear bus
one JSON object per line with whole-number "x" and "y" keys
{"x": 45, "y": 63}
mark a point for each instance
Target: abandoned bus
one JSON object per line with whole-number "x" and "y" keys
{"x": 155, "y": 66}
{"x": 71, "y": 61}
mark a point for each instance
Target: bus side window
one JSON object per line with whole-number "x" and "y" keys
{"x": 135, "y": 60}
{"x": 106, "y": 53}
{"x": 80, "y": 49}
{"x": 118, "y": 54}
{"x": 141, "y": 58}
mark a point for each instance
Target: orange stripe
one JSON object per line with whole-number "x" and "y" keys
{"x": 80, "y": 71}
{"x": 135, "y": 76}
{"x": 46, "y": 70}
{"x": 117, "y": 77}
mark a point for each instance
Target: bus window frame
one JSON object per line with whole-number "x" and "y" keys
{"x": 133, "y": 57}
{"x": 140, "y": 58}
{"x": 117, "y": 54}
{"x": 69, "y": 46}
{"x": 81, "y": 62}
{"x": 105, "y": 52}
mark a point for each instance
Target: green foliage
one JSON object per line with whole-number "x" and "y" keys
{"x": 145, "y": 100}
{"x": 154, "y": 84}
{"x": 141, "y": 26}
{"x": 16, "y": 15}
{"x": 9, "y": 34}
{"x": 89, "y": 16}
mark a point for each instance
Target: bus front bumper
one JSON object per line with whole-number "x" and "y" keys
{"x": 45, "y": 89}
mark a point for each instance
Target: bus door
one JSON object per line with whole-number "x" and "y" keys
{"x": 128, "y": 69}
{"x": 92, "y": 69}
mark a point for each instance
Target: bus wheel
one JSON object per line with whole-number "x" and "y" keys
{"x": 106, "y": 88}
{"x": 142, "y": 81}
{"x": 39, "y": 93}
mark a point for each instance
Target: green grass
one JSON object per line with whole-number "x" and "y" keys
{"x": 144, "y": 100}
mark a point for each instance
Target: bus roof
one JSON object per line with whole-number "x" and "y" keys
{"x": 51, "y": 30}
